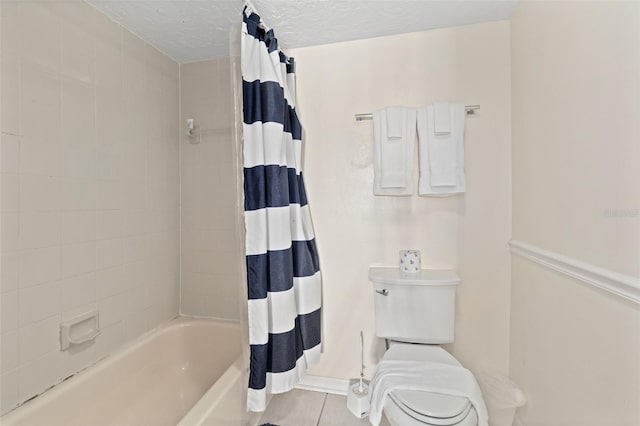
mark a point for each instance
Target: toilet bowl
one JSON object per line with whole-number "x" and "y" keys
{"x": 415, "y": 314}
{"x": 415, "y": 408}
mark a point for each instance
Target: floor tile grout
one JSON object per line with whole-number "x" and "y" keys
{"x": 324, "y": 401}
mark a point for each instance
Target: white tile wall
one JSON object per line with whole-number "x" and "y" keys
{"x": 210, "y": 262}
{"x": 90, "y": 188}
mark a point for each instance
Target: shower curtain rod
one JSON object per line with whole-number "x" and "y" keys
{"x": 470, "y": 109}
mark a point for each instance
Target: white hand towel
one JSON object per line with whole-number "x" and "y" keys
{"x": 393, "y": 154}
{"x": 441, "y": 156}
{"x": 395, "y": 115}
{"x": 442, "y": 149}
{"x": 442, "y": 118}
{"x": 425, "y": 377}
{"x": 393, "y": 159}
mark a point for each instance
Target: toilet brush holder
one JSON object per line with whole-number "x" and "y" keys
{"x": 358, "y": 392}
{"x": 358, "y": 399}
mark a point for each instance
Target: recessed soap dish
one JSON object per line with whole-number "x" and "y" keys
{"x": 78, "y": 330}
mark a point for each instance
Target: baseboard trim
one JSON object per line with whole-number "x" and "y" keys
{"x": 621, "y": 285}
{"x": 324, "y": 384}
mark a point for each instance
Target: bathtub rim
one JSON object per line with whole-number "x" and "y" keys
{"x": 209, "y": 402}
{"x": 17, "y": 413}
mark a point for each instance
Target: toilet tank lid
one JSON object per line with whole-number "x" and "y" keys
{"x": 392, "y": 275}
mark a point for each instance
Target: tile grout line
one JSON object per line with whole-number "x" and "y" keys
{"x": 324, "y": 401}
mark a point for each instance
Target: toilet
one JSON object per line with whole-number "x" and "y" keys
{"x": 415, "y": 314}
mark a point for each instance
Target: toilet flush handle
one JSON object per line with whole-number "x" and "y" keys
{"x": 383, "y": 292}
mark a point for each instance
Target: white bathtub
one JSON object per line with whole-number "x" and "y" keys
{"x": 156, "y": 382}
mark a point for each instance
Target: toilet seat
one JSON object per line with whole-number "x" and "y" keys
{"x": 432, "y": 408}
{"x": 397, "y": 417}
{"x": 417, "y": 408}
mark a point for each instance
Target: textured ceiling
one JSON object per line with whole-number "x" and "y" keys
{"x": 193, "y": 30}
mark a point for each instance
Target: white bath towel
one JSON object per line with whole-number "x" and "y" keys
{"x": 441, "y": 156}
{"x": 433, "y": 377}
{"x": 394, "y": 158}
{"x": 442, "y": 118}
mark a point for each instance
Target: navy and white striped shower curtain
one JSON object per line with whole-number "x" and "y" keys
{"x": 283, "y": 272}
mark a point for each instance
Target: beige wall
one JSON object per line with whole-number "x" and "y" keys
{"x": 576, "y": 103}
{"x": 210, "y": 275}
{"x": 356, "y": 229}
{"x": 575, "y": 350}
{"x": 89, "y": 188}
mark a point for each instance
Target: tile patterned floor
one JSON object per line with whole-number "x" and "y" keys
{"x": 307, "y": 408}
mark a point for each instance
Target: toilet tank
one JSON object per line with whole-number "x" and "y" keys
{"x": 416, "y": 308}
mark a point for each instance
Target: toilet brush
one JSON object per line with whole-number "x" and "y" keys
{"x": 358, "y": 394}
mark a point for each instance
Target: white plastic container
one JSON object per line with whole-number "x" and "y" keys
{"x": 358, "y": 399}
{"x": 501, "y": 396}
